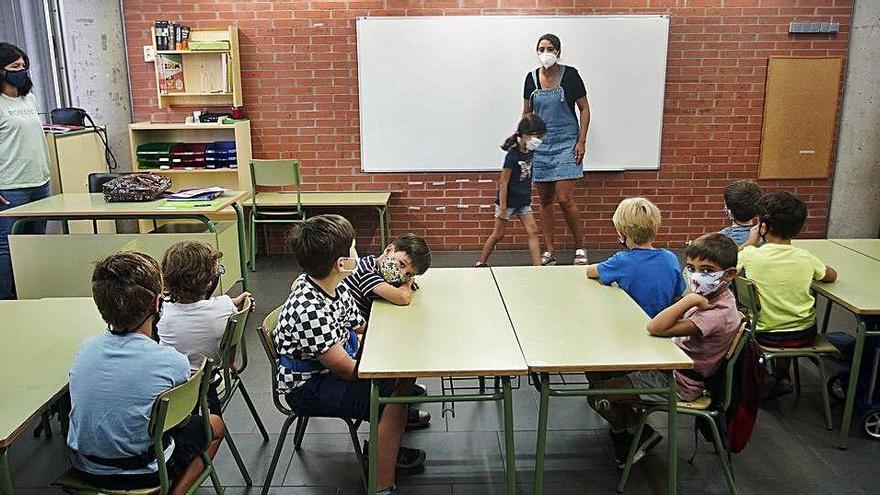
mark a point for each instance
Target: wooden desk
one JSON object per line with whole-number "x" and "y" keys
{"x": 344, "y": 199}
{"x": 868, "y": 247}
{"x": 39, "y": 341}
{"x": 566, "y": 322}
{"x": 456, "y": 325}
{"x": 85, "y": 206}
{"x": 856, "y": 290}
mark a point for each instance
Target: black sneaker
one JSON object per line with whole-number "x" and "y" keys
{"x": 621, "y": 442}
{"x": 649, "y": 439}
{"x": 416, "y": 419}
{"x": 419, "y": 390}
{"x": 409, "y": 461}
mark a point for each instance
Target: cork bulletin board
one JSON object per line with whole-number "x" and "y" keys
{"x": 800, "y": 109}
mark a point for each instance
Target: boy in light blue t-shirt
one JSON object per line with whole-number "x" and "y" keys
{"x": 115, "y": 379}
{"x": 741, "y": 205}
{"x": 651, "y": 276}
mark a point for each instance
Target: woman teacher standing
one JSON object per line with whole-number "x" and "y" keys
{"x": 24, "y": 156}
{"x": 553, "y": 91}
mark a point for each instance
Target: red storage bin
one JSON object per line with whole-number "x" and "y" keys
{"x": 188, "y": 155}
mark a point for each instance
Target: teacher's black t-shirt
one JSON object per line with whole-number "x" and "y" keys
{"x": 571, "y": 83}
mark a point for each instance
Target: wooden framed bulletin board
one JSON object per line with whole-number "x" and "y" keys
{"x": 800, "y": 110}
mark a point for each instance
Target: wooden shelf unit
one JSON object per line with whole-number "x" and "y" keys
{"x": 230, "y": 178}
{"x": 202, "y": 71}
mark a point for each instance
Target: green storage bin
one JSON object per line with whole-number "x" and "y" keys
{"x": 154, "y": 155}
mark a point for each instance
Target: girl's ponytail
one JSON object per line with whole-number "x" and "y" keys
{"x": 510, "y": 142}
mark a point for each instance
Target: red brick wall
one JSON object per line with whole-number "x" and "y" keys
{"x": 299, "y": 72}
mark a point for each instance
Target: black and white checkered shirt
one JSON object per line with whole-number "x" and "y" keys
{"x": 310, "y": 323}
{"x": 365, "y": 278}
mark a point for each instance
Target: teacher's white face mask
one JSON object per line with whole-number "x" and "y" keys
{"x": 547, "y": 59}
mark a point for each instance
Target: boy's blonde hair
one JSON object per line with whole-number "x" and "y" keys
{"x": 638, "y": 219}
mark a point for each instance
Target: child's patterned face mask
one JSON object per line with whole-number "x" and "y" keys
{"x": 391, "y": 270}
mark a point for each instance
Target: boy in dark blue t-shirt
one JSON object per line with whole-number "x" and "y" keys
{"x": 651, "y": 276}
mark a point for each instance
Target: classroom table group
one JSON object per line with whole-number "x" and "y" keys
{"x": 465, "y": 322}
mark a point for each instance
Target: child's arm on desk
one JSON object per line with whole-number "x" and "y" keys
{"x": 400, "y": 296}
{"x": 830, "y": 275}
{"x": 669, "y": 322}
{"x": 339, "y": 362}
{"x": 593, "y": 270}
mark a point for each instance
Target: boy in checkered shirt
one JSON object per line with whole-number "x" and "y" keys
{"x": 317, "y": 344}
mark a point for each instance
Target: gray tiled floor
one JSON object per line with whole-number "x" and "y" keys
{"x": 789, "y": 452}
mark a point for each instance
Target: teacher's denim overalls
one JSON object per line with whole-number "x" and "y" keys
{"x": 554, "y": 160}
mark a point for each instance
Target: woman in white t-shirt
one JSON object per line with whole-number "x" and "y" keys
{"x": 24, "y": 156}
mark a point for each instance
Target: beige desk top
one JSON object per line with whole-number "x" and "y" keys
{"x": 868, "y": 247}
{"x": 38, "y": 341}
{"x": 329, "y": 198}
{"x": 568, "y": 323}
{"x": 455, "y": 326}
{"x": 93, "y": 205}
{"x": 857, "y": 276}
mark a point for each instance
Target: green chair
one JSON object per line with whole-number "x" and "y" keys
{"x": 302, "y": 421}
{"x": 276, "y": 174}
{"x": 231, "y": 382}
{"x": 701, "y": 408}
{"x": 172, "y": 408}
{"x": 749, "y": 295}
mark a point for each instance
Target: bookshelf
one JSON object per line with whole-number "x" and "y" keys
{"x": 198, "y": 78}
{"x": 230, "y": 178}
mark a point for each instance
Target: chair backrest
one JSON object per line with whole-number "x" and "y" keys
{"x": 275, "y": 173}
{"x": 98, "y": 179}
{"x": 175, "y": 405}
{"x": 268, "y": 342}
{"x": 747, "y": 295}
{"x": 733, "y": 354}
{"x": 235, "y": 327}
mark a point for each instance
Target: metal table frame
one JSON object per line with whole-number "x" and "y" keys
{"x": 505, "y": 396}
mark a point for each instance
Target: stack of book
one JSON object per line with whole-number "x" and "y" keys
{"x": 171, "y": 36}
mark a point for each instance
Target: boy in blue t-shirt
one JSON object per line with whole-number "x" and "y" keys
{"x": 651, "y": 276}
{"x": 741, "y": 204}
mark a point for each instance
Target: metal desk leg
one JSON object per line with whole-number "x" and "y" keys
{"x": 242, "y": 251}
{"x": 5, "y": 473}
{"x": 510, "y": 451}
{"x": 384, "y": 230}
{"x": 542, "y": 434}
{"x": 851, "y": 389}
{"x": 673, "y": 434}
{"x": 372, "y": 475}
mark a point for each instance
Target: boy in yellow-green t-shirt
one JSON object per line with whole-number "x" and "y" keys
{"x": 783, "y": 275}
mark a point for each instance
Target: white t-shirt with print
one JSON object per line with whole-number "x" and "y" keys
{"x": 195, "y": 329}
{"x": 24, "y": 155}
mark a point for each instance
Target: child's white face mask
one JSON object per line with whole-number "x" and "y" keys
{"x": 706, "y": 283}
{"x": 533, "y": 143}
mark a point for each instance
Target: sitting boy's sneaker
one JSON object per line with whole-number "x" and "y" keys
{"x": 481, "y": 264}
{"x": 389, "y": 491}
{"x": 622, "y": 441}
{"x": 409, "y": 461}
{"x": 416, "y": 419}
{"x": 419, "y": 390}
{"x": 580, "y": 257}
{"x": 547, "y": 259}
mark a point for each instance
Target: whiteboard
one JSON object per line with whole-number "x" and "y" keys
{"x": 440, "y": 94}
